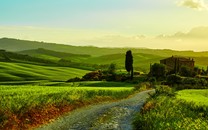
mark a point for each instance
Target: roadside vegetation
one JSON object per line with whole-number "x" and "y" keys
{"x": 165, "y": 110}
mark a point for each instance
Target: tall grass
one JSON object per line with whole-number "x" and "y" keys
{"x": 30, "y": 104}
{"x": 167, "y": 112}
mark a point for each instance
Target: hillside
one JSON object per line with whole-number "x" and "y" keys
{"x": 28, "y": 72}
{"x": 92, "y": 57}
{"x": 54, "y": 55}
{"x": 142, "y": 61}
{"x": 16, "y": 57}
{"x": 21, "y": 45}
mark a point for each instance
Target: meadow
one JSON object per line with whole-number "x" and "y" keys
{"x": 28, "y": 106}
{"x": 199, "y": 97}
{"x": 28, "y": 72}
{"x": 165, "y": 111}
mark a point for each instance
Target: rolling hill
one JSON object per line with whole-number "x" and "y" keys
{"x": 76, "y": 56}
{"x": 21, "y": 45}
{"x": 29, "y": 72}
{"x": 54, "y": 55}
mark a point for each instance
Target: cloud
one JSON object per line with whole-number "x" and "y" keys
{"x": 194, "y": 4}
{"x": 197, "y": 33}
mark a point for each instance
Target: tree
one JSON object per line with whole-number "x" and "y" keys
{"x": 129, "y": 63}
{"x": 112, "y": 68}
{"x": 158, "y": 70}
{"x": 185, "y": 71}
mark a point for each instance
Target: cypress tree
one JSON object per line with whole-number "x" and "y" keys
{"x": 129, "y": 63}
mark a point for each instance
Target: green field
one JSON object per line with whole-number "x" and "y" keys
{"x": 199, "y": 97}
{"x": 33, "y": 105}
{"x": 15, "y": 98}
{"x": 23, "y": 71}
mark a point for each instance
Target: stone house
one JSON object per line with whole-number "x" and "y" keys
{"x": 175, "y": 63}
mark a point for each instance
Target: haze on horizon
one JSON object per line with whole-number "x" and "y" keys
{"x": 169, "y": 24}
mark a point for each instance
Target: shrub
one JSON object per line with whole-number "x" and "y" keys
{"x": 173, "y": 79}
{"x": 191, "y": 81}
{"x": 142, "y": 86}
{"x": 152, "y": 80}
{"x": 112, "y": 68}
{"x": 186, "y": 71}
{"x": 164, "y": 90}
{"x": 158, "y": 71}
{"x": 76, "y": 79}
{"x": 93, "y": 76}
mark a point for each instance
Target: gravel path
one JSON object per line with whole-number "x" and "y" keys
{"x": 105, "y": 116}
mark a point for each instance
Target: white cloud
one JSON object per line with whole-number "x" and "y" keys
{"x": 194, "y": 4}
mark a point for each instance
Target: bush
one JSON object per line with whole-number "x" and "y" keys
{"x": 164, "y": 90}
{"x": 76, "y": 79}
{"x": 112, "y": 68}
{"x": 152, "y": 80}
{"x": 93, "y": 76}
{"x": 186, "y": 71}
{"x": 191, "y": 81}
{"x": 158, "y": 71}
{"x": 142, "y": 86}
{"x": 174, "y": 79}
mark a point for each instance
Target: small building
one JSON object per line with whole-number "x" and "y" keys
{"x": 175, "y": 63}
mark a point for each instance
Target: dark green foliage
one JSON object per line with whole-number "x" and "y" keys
{"x": 186, "y": 71}
{"x": 174, "y": 79}
{"x": 164, "y": 90}
{"x": 158, "y": 70}
{"x": 93, "y": 76}
{"x": 143, "y": 86}
{"x": 112, "y": 68}
{"x": 76, "y": 79}
{"x": 191, "y": 81}
{"x": 129, "y": 63}
{"x": 152, "y": 80}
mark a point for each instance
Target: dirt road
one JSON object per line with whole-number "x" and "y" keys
{"x": 112, "y": 115}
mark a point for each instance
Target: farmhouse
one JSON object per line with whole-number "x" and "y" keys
{"x": 175, "y": 63}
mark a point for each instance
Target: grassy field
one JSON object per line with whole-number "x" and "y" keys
{"x": 28, "y": 106}
{"x": 22, "y": 71}
{"x": 168, "y": 112}
{"x": 199, "y": 97}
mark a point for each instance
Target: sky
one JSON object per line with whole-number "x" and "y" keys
{"x": 161, "y": 24}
